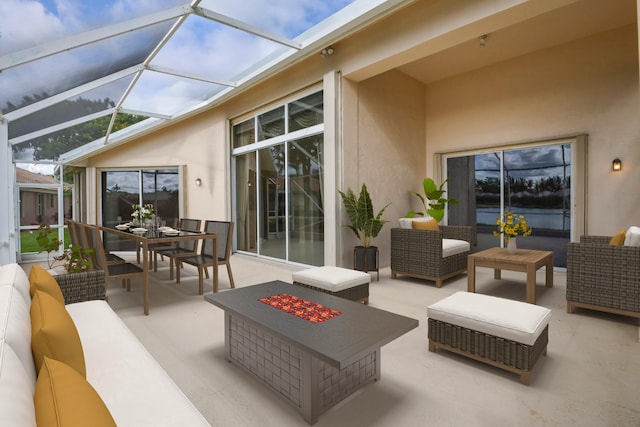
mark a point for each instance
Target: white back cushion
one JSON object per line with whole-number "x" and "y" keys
{"x": 16, "y": 394}
{"x": 13, "y": 274}
{"x": 15, "y": 329}
{"x": 632, "y": 237}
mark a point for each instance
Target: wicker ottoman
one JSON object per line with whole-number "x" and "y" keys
{"x": 341, "y": 282}
{"x": 508, "y": 334}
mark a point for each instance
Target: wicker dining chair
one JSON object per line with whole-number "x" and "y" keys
{"x": 204, "y": 259}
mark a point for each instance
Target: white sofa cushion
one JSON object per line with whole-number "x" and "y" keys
{"x": 14, "y": 275}
{"x": 632, "y": 236}
{"x": 16, "y": 394}
{"x": 331, "y": 278}
{"x": 512, "y": 320}
{"x": 454, "y": 247}
{"x": 137, "y": 391}
{"x": 15, "y": 329}
{"x": 405, "y": 222}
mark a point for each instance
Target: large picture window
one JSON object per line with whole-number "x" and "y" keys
{"x": 278, "y": 203}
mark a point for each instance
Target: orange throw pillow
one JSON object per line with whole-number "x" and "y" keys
{"x": 425, "y": 225}
{"x": 63, "y": 398}
{"x": 41, "y": 280}
{"x": 53, "y": 333}
{"x": 618, "y": 238}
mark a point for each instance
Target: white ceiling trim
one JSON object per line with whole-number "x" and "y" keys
{"x": 40, "y": 105}
{"x": 243, "y": 26}
{"x": 61, "y": 126}
{"x": 47, "y": 49}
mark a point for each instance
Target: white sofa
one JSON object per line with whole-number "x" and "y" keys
{"x": 134, "y": 388}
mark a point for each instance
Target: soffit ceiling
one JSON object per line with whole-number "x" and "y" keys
{"x": 69, "y": 69}
{"x": 573, "y": 22}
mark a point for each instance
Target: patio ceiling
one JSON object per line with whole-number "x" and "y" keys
{"x": 77, "y": 76}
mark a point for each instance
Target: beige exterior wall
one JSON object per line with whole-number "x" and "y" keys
{"x": 390, "y": 126}
{"x": 588, "y": 86}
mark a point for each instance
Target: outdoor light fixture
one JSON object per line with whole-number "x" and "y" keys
{"x": 326, "y": 51}
{"x": 198, "y": 182}
{"x": 616, "y": 165}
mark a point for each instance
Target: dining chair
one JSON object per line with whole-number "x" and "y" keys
{"x": 183, "y": 247}
{"x": 157, "y": 248}
{"x": 89, "y": 241}
{"x": 124, "y": 271}
{"x": 204, "y": 259}
{"x": 73, "y": 228}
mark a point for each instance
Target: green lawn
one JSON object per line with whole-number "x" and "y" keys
{"x": 28, "y": 240}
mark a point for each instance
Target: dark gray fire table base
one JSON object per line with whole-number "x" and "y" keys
{"x": 313, "y": 366}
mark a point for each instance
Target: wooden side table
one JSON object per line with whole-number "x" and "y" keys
{"x": 524, "y": 260}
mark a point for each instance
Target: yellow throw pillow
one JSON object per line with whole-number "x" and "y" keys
{"x": 41, "y": 280}
{"x": 618, "y": 238}
{"x": 53, "y": 333}
{"x": 425, "y": 225}
{"x": 63, "y": 398}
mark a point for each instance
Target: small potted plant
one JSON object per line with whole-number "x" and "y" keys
{"x": 510, "y": 226}
{"x": 365, "y": 224}
{"x": 437, "y": 202}
{"x": 48, "y": 242}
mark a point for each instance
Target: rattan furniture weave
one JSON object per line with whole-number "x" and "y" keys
{"x": 496, "y": 351}
{"x": 85, "y": 286}
{"x": 418, "y": 253}
{"x": 603, "y": 277}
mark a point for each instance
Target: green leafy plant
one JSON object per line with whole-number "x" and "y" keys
{"x": 364, "y": 223}
{"x": 437, "y": 202}
{"x": 48, "y": 242}
{"x": 77, "y": 259}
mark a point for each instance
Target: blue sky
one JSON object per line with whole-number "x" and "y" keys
{"x": 200, "y": 46}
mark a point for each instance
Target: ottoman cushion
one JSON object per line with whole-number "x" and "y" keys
{"x": 331, "y": 278}
{"x": 513, "y": 320}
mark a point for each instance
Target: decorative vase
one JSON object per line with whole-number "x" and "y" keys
{"x": 511, "y": 246}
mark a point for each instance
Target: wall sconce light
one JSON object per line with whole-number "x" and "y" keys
{"x": 482, "y": 40}
{"x": 616, "y": 166}
{"x": 198, "y": 182}
{"x": 327, "y": 51}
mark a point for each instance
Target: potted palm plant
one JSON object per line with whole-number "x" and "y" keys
{"x": 437, "y": 201}
{"x": 365, "y": 224}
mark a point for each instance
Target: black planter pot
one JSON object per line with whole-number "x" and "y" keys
{"x": 365, "y": 259}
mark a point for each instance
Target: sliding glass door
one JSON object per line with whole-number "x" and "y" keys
{"x": 532, "y": 181}
{"x": 123, "y": 188}
{"x": 278, "y": 167}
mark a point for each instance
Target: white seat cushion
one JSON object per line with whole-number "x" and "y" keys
{"x": 632, "y": 236}
{"x": 137, "y": 391}
{"x": 331, "y": 278}
{"x": 454, "y": 247}
{"x": 513, "y": 320}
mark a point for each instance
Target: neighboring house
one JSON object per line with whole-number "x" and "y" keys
{"x": 39, "y": 204}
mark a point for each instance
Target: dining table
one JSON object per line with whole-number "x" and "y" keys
{"x": 152, "y": 236}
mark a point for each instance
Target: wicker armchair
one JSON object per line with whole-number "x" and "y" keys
{"x": 603, "y": 277}
{"x": 418, "y": 253}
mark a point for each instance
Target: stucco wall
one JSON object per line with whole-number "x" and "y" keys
{"x": 588, "y": 86}
{"x": 385, "y": 149}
